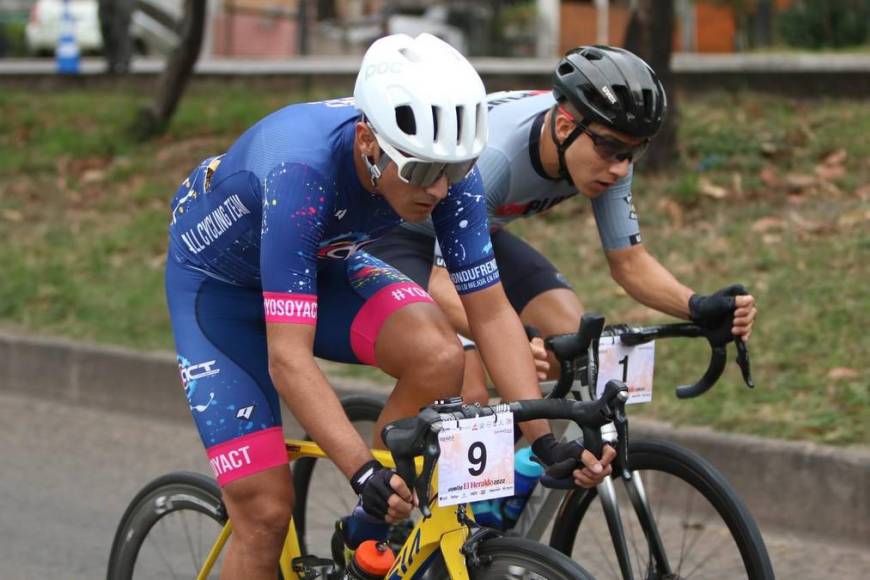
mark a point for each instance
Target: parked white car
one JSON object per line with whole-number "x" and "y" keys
{"x": 44, "y": 26}
{"x": 153, "y": 25}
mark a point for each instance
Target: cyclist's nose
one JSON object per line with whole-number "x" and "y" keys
{"x": 438, "y": 189}
{"x": 620, "y": 168}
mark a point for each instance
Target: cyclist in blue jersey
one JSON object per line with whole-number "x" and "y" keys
{"x": 267, "y": 268}
{"x": 545, "y": 147}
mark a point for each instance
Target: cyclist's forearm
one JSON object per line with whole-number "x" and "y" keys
{"x": 315, "y": 405}
{"x": 505, "y": 351}
{"x": 650, "y": 283}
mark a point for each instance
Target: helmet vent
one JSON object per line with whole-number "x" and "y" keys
{"x": 405, "y": 119}
{"x": 623, "y": 96}
{"x": 460, "y": 110}
{"x": 566, "y": 69}
{"x": 435, "y": 113}
{"x": 411, "y": 55}
{"x": 647, "y": 104}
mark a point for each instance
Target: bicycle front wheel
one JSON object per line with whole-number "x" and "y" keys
{"x": 522, "y": 559}
{"x": 705, "y": 529}
{"x": 323, "y": 494}
{"x": 168, "y": 529}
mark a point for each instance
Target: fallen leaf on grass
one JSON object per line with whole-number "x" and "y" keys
{"x": 93, "y": 176}
{"x": 838, "y": 157}
{"x": 830, "y": 172}
{"x": 708, "y": 188}
{"x": 768, "y": 223}
{"x": 13, "y": 215}
{"x": 799, "y": 181}
{"x": 855, "y": 217}
{"x": 769, "y": 176}
{"x": 842, "y": 373}
{"x": 674, "y": 211}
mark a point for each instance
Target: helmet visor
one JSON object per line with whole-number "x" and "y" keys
{"x": 423, "y": 173}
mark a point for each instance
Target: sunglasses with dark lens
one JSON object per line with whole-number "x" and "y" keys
{"x": 420, "y": 172}
{"x": 425, "y": 173}
{"x": 608, "y": 148}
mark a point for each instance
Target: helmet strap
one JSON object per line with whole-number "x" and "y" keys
{"x": 563, "y": 146}
{"x": 376, "y": 169}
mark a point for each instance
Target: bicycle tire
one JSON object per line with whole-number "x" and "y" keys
{"x": 659, "y": 462}
{"x": 167, "y": 496}
{"x": 316, "y": 531}
{"x": 513, "y": 558}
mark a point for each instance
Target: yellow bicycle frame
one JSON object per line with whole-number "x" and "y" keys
{"x": 442, "y": 531}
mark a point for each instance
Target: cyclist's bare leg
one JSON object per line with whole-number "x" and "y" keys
{"x": 418, "y": 347}
{"x": 555, "y": 311}
{"x": 260, "y": 507}
{"x": 474, "y": 379}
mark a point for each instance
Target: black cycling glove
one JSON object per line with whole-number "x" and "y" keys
{"x": 715, "y": 313}
{"x": 561, "y": 459}
{"x": 371, "y": 483}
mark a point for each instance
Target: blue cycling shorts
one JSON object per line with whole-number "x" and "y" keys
{"x": 220, "y": 339}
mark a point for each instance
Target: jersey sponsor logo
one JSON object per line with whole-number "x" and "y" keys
{"x": 380, "y": 68}
{"x": 475, "y": 277}
{"x": 342, "y": 249}
{"x": 245, "y": 412}
{"x": 337, "y": 103}
{"x": 215, "y": 224}
{"x": 192, "y": 372}
{"x": 340, "y": 214}
{"x": 290, "y": 308}
{"x": 503, "y": 97}
{"x": 402, "y": 293}
{"x": 223, "y": 463}
{"x": 528, "y": 208}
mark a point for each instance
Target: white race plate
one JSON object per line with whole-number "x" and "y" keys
{"x": 632, "y": 365}
{"x": 477, "y": 459}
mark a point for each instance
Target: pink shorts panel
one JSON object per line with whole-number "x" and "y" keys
{"x": 248, "y": 455}
{"x": 371, "y": 317}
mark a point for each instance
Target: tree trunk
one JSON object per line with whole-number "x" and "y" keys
{"x": 154, "y": 119}
{"x": 650, "y": 35}
{"x": 115, "y": 17}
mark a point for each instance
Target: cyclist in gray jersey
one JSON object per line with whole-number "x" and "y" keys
{"x": 544, "y": 147}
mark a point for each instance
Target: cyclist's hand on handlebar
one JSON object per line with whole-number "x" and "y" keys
{"x": 594, "y": 470}
{"x": 568, "y": 458}
{"x": 718, "y": 313}
{"x": 539, "y": 353}
{"x": 744, "y": 316}
{"x": 383, "y": 494}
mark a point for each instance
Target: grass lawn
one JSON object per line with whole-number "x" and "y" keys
{"x": 770, "y": 192}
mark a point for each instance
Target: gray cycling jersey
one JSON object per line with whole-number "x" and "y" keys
{"x": 515, "y": 183}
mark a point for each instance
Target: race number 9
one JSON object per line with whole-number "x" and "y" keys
{"x": 477, "y": 458}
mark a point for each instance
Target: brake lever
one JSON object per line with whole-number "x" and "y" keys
{"x": 431, "y": 452}
{"x": 620, "y": 420}
{"x": 743, "y": 362}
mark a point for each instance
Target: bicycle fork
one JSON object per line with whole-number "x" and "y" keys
{"x": 636, "y": 493}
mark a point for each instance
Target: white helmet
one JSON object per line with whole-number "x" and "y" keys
{"x": 424, "y": 99}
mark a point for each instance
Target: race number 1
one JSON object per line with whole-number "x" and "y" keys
{"x": 477, "y": 459}
{"x": 632, "y": 365}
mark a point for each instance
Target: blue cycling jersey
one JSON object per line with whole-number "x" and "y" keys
{"x": 273, "y": 231}
{"x": 286, "y": 196}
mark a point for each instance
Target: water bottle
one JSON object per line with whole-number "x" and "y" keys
{"x": 526, "y": 476}
{"x": 67, "y": 49}
{"x": 371, "y": 561}
{"x": 488, "y": 513}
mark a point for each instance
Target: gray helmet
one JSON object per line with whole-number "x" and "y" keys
{"x": 611, "y": 86}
